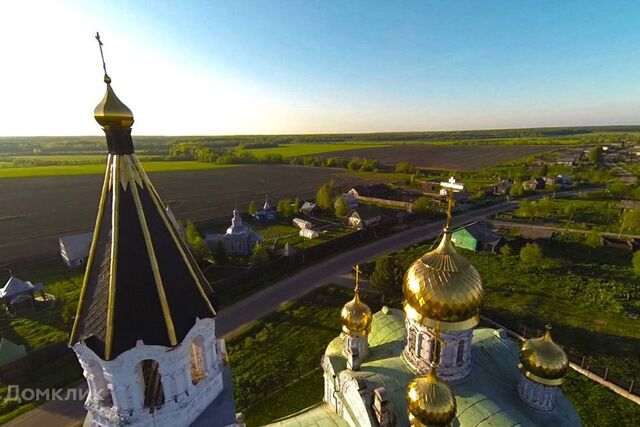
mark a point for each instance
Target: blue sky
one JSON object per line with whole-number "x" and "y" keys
{"x": 205, "y": 67}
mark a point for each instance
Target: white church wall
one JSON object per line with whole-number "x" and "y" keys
{"x": 183, "y": 400}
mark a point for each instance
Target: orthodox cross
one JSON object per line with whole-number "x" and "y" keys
{"x": 358, "y": 271}
{"x": 451, "y": 186}
{"x": 104, "y": 65}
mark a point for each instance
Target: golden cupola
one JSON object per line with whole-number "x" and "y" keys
{"x": 442, "y": 286}
{"x": 356, "y": 315}
{"x": 543, "y": 361}
{"x": 430, "y": 402}
{"x": 111, "y": 112}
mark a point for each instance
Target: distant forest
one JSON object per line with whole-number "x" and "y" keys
{"x": 160, "y": 145}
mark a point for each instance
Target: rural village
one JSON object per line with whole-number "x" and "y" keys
{"x": 324, "y": 214}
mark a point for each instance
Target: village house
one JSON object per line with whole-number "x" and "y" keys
{"x": 18, "y": 295}
{"x": 365, "y": 216}
{"x": 477, "y": 236}
{"x": 533, "y": 184}
{"x": 74, "y": 249}
{"x": 373, "y": 191}
{"x": 502, "y": 188}
{"x": 430, "y": 188}
{"x": 309, "y": 208}
{"x": 350, "y": 199}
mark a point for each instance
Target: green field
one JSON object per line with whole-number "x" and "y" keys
{"x": 98, "y": 169}
{"x": 295, "y": 150}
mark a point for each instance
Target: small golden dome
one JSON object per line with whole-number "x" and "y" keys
{"x": 543, "y": 361}
{"x": 356, "y": 317}
{"x": 443, "y": 286}
{"x": 430, "y": 402}
{"x": 111, "y": 112}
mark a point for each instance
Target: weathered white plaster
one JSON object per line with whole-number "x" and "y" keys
{"x": 122, "y": 377}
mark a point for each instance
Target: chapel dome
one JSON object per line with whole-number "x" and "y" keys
{"x": 442, "y": 286}
{"x": 544, "y": 361}
{"x": 356, "y": 317}
{"x": 430, "y": 402}
{"x": 111, "y": 112}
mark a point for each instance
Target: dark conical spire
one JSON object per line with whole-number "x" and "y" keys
{"x": 141, "y": 282}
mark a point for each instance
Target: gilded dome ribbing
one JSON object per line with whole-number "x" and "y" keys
{"x": 544, "y": 361}
{"x": 356, "y": 317}
{"x": 430, "y": 402}
{"x": 111, "y": 112}
{"x": 443, "y": 286}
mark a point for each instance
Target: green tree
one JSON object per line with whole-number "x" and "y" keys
{"x": 593, "y": 239}
{"x": 341, "y": 207}
{"x": 516, "y": 189}
{"x": 636, "y": 263}
{"x": 544, "y": 208}
{"x": 506, "y": 251}
{"x": 259, "y": 255}
{"x": 325, "y": 195}
{"x": 387, "y": 276}
{"x": 422, "y": 205}
{"x": 526, "y": 209}
{"x": 251, "y": 209}
{"x": 531, "y": 255}
{"x": 596, "y": 155}
{"x": 405, "y": 167}
{"x": 197, "y": 245}
{"x": 631, "y": 219}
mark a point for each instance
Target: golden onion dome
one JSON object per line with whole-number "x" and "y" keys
{"x": 430, "y": 402}
{"x": 442, "y": 286}
{"x": 111, "y": 112}
{"x": 543, "y": 361}
{"x": 356, "y": 317}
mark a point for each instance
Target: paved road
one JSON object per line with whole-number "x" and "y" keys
{"x": 264, "y": 302}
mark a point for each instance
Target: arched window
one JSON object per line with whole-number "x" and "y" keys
{"x": 460, "y": 354}
{"x": 435, "y": 347}
{"x": 411, "y": 340}
{"x": 198, "y": 361}
{"x": 152, "y": 383}
{"x": 101, "y": 391}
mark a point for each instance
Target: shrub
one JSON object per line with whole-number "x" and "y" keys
{"x": 531, "y": 255}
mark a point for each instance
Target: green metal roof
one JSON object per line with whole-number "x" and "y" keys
{"x": 320, "y": 415}
{"x": 487, "y": 397}
{"x": 10, "y": 351}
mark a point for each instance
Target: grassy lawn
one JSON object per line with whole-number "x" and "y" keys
{"x": 294, "y": 150}
{"x": 282, "y": 346}
{"x": 50, "y": 323}
{"x": 98, "y": 169}
{"x": 45, "y": 326}
{"x": 588, "y": 213}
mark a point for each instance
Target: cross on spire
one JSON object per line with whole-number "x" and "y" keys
{"x": 358, "y": 271}
{"x": 107, "y": 79}
{"x": 452, "y": 186}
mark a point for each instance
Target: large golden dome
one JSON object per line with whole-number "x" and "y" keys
{"x": 111, "y": 112}
{"x": 543, "y": 361}
{"x": 430, "y": 402}
{"x": 356, "y": 317}
{"x": 443, "y": 286}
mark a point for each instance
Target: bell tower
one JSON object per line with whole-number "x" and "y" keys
{"x": 144, "y": 331}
